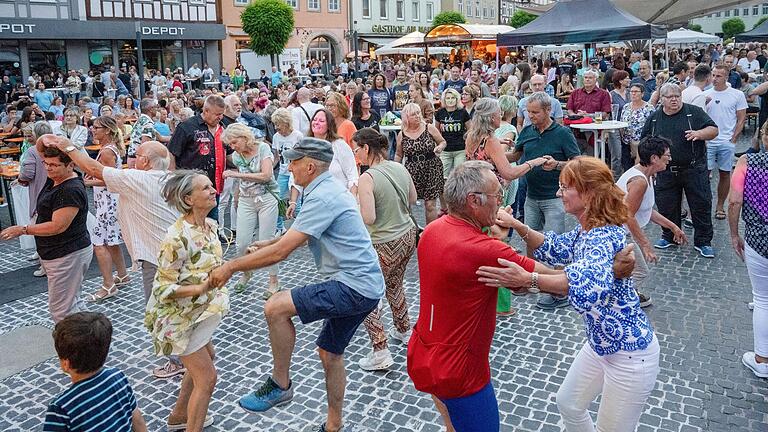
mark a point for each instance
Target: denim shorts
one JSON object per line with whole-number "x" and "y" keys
{"x": 720, "y": 156}
{"x": 342, "y": 308}
{"x": 478, "y": 412}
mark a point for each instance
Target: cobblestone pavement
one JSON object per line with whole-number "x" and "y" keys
{"x": 699, "y": 314}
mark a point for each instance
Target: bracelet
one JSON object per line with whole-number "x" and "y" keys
{"x": 529, "y": 165}
{"x": 534, "y": 288}
{"x": 527, "y": 232}
{"x": 291, "y": 202}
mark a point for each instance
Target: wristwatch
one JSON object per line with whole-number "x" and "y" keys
{"x": 534, "y": 288}
{"x": 69, "y": 148}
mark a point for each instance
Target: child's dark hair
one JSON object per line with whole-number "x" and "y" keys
{"x": 83, "y": 339}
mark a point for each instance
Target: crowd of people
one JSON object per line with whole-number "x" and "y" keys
{"x": 278, "y": 162}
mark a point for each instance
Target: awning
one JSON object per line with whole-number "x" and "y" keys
{"x": 674, "y": 11}
{"x": 26, "y": 28}
{"x": 379, "y": 40}
{"x": 458, "y": 33}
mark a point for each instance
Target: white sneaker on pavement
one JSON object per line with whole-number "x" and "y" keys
{"x": 39, "y": 272}
{"x": 759, "y": 369}
{"x": 401, "y": 337}
{"x": 33, "y": 257}
{"x": 377, "y": 360}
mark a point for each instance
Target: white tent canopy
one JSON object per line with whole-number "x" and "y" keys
{"x": 389, "y": 49}
{"x": 673, "y": 12}
{"x": 684, "y": 36}
{"x": 410, "y": 38}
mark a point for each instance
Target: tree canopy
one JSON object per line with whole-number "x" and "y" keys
{"x": 732, "y": 27}
{"x": 269, "y": 23}
{"x": 521, "y": 18}
{"x": 448, "y": 17}
{"x": 694, "y": 27}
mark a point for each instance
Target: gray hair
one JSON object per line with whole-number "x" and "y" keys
{"x": 668, "y": 88}
{"x": 591, "y": 72}
{"x": 41, "y": 128}
{"x": 146, "y": 104}
{"x": 186, "y": 113}
{"x": 542, "y": 98}
{"x": 463, "y": 180}
{"x": 481, "y": 124}
{"x": 179, "y": 184}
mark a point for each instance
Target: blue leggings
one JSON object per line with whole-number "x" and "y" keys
{"x": 478, "y": 412}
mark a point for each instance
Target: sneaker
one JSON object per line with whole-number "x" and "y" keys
{"x": 33, "y": 257}
{"x": 663, "y": 244}
{"x": 751, "y": 305}
{"x": 401, "y": 337}
{"x": 759, "y": 369}
{"x": 280, "y": 231}
{"x": 705, "y": 251}
{"x": 269, "y": 395}
{"x": 377, "y": 360}
{"x": 168, "y": 370}
{"x": 688, "y": 223}
{"x": 39, "y": 272}
{"x": 645, "y": 300}
{"x": 183, "y": 426}
{"x": 321, "y": 428}
{"x": 549, "y": 302}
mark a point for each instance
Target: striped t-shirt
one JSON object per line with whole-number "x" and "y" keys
{"x": 103, "y": 403}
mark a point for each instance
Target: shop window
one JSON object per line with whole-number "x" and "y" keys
{"x": 161, "y": 54}
{"x": 10, "y": 60}
{"x": 322, "y": 49}
{"x": 100, "y": 53}
{"x": 46, "y": 56}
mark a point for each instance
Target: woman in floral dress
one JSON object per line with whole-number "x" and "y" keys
{"x": 184, "y": 310}
{"x": 635, "y": 112}
{"x": 106, "y": 237}
{"x": 420, "y": 144}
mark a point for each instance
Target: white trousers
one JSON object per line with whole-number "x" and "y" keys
{"x": 256, "y": 215}
{"x": 757, "y": 267}
{"x": 227, "y": 194}
{"x": 625, "y": 380}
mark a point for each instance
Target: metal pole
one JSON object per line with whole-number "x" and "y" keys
{"x": 140, "y": 60}
{"x": 650, "y": 54}
{"x": 355, "y": 47}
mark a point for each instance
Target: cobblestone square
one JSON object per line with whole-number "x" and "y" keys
{"x": 699, "y": 314}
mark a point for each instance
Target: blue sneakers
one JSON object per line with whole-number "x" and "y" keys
{"x": 663, "y": 244}
{"x": 705, "y": 251}
{"x": 267, "y": 396}
{"x": 548, "y": 302}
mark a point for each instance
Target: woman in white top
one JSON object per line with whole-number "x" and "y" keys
{"x": 71, "y": 130}
{"x": 343, "y": 166}
{"x": 285, "y": 138}
{"x": 654, "y": 156}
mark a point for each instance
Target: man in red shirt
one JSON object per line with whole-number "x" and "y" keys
{"x": 590, "y": 98}
{"x": 448, "y": 351}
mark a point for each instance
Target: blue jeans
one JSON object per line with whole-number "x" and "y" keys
{"x": 282, "y": 183}
{"x": 545, "y": 215}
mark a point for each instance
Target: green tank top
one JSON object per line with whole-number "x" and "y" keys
{"x": 392, "y": 217}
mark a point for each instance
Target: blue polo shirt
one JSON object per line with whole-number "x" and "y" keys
{"x": 338, "y": 238}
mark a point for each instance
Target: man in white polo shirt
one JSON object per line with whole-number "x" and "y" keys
{"x": 728, "y": 108}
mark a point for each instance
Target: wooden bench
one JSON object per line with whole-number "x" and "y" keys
{"x": 12, "y": 151}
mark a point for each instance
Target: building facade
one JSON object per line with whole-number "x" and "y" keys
{"x": 749, "y": 12}
{"x": 381, "y": 21}
{"x": 536, "y": 7}
{"x": 320, "y": 32}
{"x": 46, "y": 35}
{"x": 475, "y": 11}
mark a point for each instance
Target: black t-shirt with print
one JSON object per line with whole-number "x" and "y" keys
{"x": 453, "y": 126}
{"x": 70, "y": 193}
{"x": 371, "y": 122}
{"x": 192, "y": 144}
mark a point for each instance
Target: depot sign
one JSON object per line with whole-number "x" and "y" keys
{"x": 108, "y": 29}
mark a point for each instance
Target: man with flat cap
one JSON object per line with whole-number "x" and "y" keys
{"x": 346, "y": 261}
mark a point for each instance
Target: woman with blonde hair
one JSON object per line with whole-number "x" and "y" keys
{"x": 452, "y": 121}
{"x": 420, "y": 144}
{"x": 106, "y": 237}
{"x": 257, "y": 195}
{"x": 469, "y": 95}
{"x": 336, "y": 104}
{"x": 284, "y": 138}
{"x": 621, "y": 357}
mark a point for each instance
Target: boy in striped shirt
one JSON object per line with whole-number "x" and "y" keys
{"x": 100, "y": 399}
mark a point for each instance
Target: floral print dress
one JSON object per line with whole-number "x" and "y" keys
{"x": 636, "y": 119}
{"x": 187, "y": 254}
{"x": 107, "y": 230}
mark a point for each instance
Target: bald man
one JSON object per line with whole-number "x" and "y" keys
{"x": 143, "y": 215}
{"x": 302, "y": 114}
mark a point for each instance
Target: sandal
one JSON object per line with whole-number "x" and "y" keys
{"x": 720, "y": 215}
{"x": 242, "y": 284}
{"x": 97, "y": 297}
{"x": 270, "y": 291}
{"x": 121, "y": 281}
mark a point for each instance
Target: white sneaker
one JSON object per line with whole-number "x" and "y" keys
{"x": 377, "y": 360}
{"x": 751, "y": 305}
{"x": 39, "y": 272}
{"x": 759, "y": 369}
{"x": 33, "y": 257}
{"x": 401, "y": 337}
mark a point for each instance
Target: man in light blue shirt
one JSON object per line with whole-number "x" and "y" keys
{"x": 538, "y": 82}
{"x": 353, "y": 283}
{"x": 277, "y": 76}
{"x": 43, "y": 98}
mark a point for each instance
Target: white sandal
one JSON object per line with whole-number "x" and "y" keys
{"x": 121, "y": 281}
{"x": 95, "y": 297}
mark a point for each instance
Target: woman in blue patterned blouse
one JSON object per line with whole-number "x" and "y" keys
{"x": 621, "y": 356}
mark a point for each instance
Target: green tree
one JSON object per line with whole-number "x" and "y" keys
{"x": 694, "y": 27}
{"x": 521, "y": 18}
{"x": 269, "y": 23}
{"x": 448, "y": 17}
{"x": 760, "y": 21}
{"x": 732, "y": 27}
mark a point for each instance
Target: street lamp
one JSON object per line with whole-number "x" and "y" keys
{"x": 140, "y": 60}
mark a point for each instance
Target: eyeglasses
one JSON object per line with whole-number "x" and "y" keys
{"x": 498, "y": 195}
{"x": 672, "y": 97}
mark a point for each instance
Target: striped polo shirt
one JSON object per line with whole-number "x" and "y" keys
{"x": 103, "y": 403}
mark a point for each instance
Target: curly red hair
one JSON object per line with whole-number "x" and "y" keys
{"x": 604, "y": 201}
